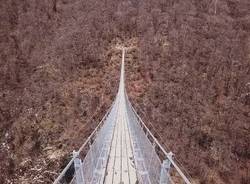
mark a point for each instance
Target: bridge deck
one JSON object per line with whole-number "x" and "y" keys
{"x": 120, "y": 167}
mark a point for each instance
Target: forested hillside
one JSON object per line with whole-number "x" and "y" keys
{"x": 187, "y": 72}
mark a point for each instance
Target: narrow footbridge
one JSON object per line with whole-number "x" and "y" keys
{"x": 122, "y": 150}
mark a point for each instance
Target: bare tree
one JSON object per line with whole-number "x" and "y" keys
{"x": 54, "y": 5}
{"x": 215, "y": 6}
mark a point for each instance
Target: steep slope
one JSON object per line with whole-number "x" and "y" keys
{"x": 188, "y": 71}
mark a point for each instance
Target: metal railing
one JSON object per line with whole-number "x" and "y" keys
{"x": 154, "y": 164}
{"x": 86, "y": 168}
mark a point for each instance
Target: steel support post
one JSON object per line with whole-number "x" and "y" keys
{"x": 165, "y": 168}
{"x": 152, "y": 154}
{"x": 78, "y": 165}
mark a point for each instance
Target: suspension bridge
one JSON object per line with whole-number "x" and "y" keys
{"x": 122, "y": 150}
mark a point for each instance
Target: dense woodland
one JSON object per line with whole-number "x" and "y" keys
{"x": 188, "y": 73}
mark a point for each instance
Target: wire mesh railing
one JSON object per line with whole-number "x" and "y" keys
{"x": 154, "y": 164}
{"x": 89, "y": 168}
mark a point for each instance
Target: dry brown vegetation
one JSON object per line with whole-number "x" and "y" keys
{"x": 189, "y": 72}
